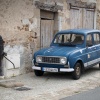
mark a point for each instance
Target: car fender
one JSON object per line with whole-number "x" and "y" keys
{"x": 73, "y": 58}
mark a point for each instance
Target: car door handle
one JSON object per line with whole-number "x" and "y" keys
{"x": 94, "y": 48}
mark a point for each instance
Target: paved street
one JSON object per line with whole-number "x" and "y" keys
{"x": 89, "y": 95}
{"x": 51, "y": 86}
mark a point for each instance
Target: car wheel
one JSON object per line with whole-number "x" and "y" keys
{"x": 77, "y": 71}
{"x": 99, "y": 65}
{"x": 38, "y": 73}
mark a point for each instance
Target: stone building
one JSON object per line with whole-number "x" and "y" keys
{"x": 29, "y": 25}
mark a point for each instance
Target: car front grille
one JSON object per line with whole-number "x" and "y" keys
{"x": 54, "y": 60}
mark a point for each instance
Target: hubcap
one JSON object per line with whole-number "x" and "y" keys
{"x": 78, "y": 70}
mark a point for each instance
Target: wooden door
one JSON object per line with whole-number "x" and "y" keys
{"x": 88, "y": 18}
{"x": 76, "y": 18}
{"x": 46, "y": 32}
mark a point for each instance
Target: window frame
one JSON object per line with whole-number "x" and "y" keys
{"x": 91, "y": 41}
{"x": 94, "y": 38}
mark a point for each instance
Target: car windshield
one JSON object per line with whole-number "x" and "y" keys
{"x": 69, "y": 39}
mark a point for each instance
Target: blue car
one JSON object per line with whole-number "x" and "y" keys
{"x": 70, "y": 51}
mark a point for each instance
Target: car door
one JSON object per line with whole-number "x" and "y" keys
{"x": 91, "y": 51}
{"x": 97, "y": 45}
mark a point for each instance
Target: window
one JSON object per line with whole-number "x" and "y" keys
{"x": 89, "y": 40}
{"x": 69, "y": 38}
{"x": 96, "y": 38}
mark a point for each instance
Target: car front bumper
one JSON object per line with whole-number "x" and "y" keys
{"x": 53, "y": 69}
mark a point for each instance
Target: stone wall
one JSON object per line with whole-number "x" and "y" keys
{"x": 20, "y": 28}
{"x": 20, "y": 25}
{"x": 98, "y": 14}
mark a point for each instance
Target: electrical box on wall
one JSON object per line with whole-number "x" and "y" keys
{"x": 15, "y": 58}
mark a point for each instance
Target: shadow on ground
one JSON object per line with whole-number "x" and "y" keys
{"x": 57, "y": 76}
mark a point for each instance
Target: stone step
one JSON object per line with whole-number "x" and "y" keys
{"x": 10, "y": 83}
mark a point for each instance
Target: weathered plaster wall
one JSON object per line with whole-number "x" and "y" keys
{"x": 98, "y": 15}
{"x": 20, "y": 28}
{"x": 20, "y": 25}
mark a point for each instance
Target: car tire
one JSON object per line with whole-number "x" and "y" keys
{"x": 77, "y": 71}
{"x": 38, "y": 73}
{"x": 99, "y": 65}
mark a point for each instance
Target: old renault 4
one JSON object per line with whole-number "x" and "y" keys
{"x": 70, "y": 51}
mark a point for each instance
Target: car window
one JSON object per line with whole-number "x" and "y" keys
{"x": 89, "y": 40}
{"x": 69, "y": 39}
{"x": 62, "y": 38}
{"x": 77, "y": 39}
{"x": 96, "y": 38}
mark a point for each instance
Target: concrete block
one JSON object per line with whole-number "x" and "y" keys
{"x": 12, "y": 73}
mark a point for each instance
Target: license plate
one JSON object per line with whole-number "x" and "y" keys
{"x": 50, "y": 69}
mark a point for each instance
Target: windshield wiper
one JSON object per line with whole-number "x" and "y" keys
{"x": 67, "y": 44}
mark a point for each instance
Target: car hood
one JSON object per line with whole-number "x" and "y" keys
{"x": 57, "y": 51}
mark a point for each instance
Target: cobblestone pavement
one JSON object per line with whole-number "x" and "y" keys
{"x": 51, "y": 86}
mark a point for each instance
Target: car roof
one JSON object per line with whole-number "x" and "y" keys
{"x": 78, "y": 31}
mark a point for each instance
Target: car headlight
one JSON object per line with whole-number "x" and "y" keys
{"x": 63, "y": 60}
{"x": 38, "y": 59}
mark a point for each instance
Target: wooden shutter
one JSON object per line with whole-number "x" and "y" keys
{"x": 88, "y": 18}
{"x": 76, "y": 18}
{"x": 82, "y": 18}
